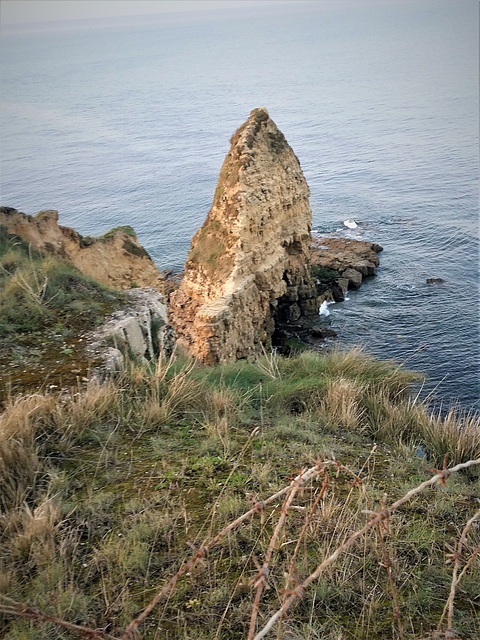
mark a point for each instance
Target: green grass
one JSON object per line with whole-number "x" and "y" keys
{"x": 44, "y": 305}
{"x": 104, "y": 491}
{"x": 324, "y": 274}
{"x": 130, "y": 231}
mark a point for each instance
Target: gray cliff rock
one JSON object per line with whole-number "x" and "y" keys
{"x": 140, "y": 330}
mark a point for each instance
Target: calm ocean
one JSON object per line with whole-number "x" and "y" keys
{"x": 128, "y": 121}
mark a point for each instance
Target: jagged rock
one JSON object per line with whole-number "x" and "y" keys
{"x": 354, "y": 278}
{"x": 344, "y": 253}
{"x": 140, "y": 330}
{"x": 351, "y": 259}
{"x": 342, "y": 284}
{"x": 116, "y": 259}
{"x": 248, "y": 268}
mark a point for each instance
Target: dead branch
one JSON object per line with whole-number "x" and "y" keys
{"x": 24, "y": 610}
{"x": 441, "y": 475}
{"x": 456, "y": 557}
{"x": 261, "y": 579}
{"x": 207, "y": 544}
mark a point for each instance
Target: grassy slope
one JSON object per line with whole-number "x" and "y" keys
{"x": 45, "y": 304}
{"x": 103, "y": 493}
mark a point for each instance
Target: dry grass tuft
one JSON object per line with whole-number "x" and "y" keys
{"x": 342, "y": 403}
{"x": 456, "y": 435}
{"x": 20, "y": 466}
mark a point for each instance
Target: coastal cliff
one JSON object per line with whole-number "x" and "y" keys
{"x": 248, "y": 268}
{"x": 116, "y": 259}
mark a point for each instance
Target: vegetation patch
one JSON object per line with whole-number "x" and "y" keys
{"x": 135, "y": 249}
{"x": 193, "y": 488}
{"x": 124, "y": 229}
{"x": 210, "y": 249}
{"x": 276, "y": 141}
{"x": 45, "y": 306}
{"x": 324, "y": 274}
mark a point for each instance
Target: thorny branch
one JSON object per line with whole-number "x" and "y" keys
{"x": 209, "y": 543}
{"x": 381, "y": 529}
{"x": 455, "y": 557}
{"x": 26, "y": 611}
{"x": 376, "y": 518}
{"x": 441, "y": 475}
{"x": 261, "y": 579}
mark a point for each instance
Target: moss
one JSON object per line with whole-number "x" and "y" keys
{"x": 87, "y": 241}
{"x": 134, "y": 249}
{"x": 324, "y": 274}
{"x": 125, "y": 229}
{"x": 210, "y": 249}
{"x": 276, "y": 141}
{"x": 46, "y": 213}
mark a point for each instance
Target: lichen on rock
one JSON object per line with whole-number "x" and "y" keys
{"x": 249, "y": 264}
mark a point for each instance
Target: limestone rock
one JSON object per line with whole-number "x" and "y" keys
{"x": 351, "y": 259}
{"x": 248, "y": 268}
{"x": 115, "y": 259}
{"x": 140, "y": 330}
{"x": 354, "y": 278}
{"x": 344, "y": 253}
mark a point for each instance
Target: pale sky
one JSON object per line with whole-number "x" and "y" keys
{"x": 24, "y": 11}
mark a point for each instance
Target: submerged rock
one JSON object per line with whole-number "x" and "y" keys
{"x": 116, "y": 259}
{"x": 248, "y": 269}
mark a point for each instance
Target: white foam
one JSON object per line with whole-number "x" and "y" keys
{"x": 323, "y": 311}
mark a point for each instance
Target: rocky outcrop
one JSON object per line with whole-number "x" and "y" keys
{"x": 248, "y": 268}
{"x": 349, "y": 261}
{"x": 139, "y": 330}
{"x": 115, "y": 259}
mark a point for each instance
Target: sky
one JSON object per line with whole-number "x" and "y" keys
{"x": 26, "y": 11}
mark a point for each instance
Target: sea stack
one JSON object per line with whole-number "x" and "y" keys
{"x": 248, "y": 269}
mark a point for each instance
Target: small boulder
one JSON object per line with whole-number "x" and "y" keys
{"x": 322, "y": 332}
{"x": 354, "y": 278}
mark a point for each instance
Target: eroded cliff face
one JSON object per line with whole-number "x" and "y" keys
{"x": 116, "y": 259}
{"x": 248, "y": 268}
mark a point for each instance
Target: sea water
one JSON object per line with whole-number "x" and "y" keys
{"x": 119, "y": 122}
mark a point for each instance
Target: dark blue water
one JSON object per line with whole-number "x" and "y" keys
{"x": 128, "y": 123}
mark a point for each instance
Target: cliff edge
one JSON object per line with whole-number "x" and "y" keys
{"x": 116, "y": 259}
{"x": 248, "y": 269}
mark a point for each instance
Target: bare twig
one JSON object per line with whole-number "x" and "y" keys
{"x": 441, "y": 475}
{"x": 26, "y": 611}
{"x": 381, "y": 528}
{"x": 262, "y": 576}
{"x": 308, "y": 519}
{"x": 387, "y": 564}
{"x": 207, "y": 544}
{"x": 456, "y": 557}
